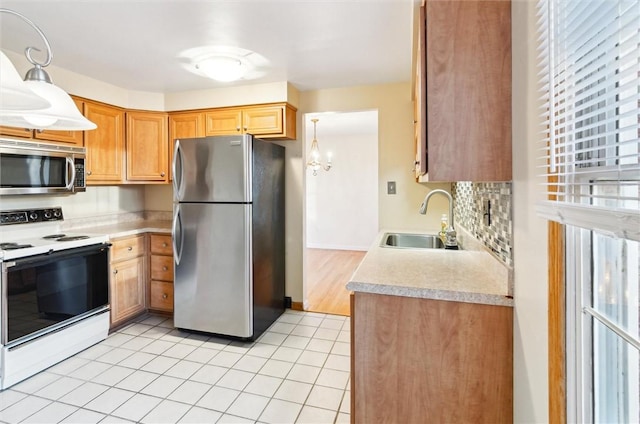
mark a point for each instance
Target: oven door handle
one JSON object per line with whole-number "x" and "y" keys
{"x": 71, "y": 170}
{"x": 52, "y": 256}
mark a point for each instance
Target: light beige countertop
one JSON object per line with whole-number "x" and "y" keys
{"x": 131, "y": 228}
{"x": 123, "y": 225}
{"x": 472, "y": 276}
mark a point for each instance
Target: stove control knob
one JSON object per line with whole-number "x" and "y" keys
{"x": 57, "y": 213}
{"x": 47, "y": 214}
{"x": 33, "y": 215}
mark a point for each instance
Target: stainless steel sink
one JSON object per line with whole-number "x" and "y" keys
{"x": 412, "y": 241}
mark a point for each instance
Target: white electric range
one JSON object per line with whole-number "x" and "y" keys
{"x": 54, "y": 290}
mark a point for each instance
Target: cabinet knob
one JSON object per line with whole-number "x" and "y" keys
{"x": 88, "y": 172}
{"x": 164, "y": 244}
{"x": 237, "y": 128}
{"x": 130, "y": 248}
{"x": 115, "y": 271}
{"x": 164, "y": 268}
{"x": 246, "y": 128}
{"x": 162, "y": 174}
{"x": 164, "y": 295}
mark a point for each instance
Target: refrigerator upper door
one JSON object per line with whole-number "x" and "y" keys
{"x": 212, "y": 169}
{"x": 213, "y": 290}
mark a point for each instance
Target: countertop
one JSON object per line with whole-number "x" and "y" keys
{"x": 471, "y": 275}
{"x": 131, "y": 228}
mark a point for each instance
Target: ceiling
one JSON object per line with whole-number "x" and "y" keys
{"x": 140, "y": 44}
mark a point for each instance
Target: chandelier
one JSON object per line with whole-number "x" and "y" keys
{"x": 314, "y": 154}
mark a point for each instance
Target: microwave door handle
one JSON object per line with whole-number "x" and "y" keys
{"x": 71, "y": 169}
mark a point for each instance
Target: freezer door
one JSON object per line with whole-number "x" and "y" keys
{"x": 213, "y": 288}
{"x": 212, "y": 169}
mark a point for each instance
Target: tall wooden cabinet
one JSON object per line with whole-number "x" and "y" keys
{"x": 467, "y": 76}
{"x": 147, "y": 147}
{"x": 105, "y": 145}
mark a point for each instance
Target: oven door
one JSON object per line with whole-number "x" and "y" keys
{"x": 44, "y": 293}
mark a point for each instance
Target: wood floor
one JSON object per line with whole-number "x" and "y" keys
{"x": 328, "y": 271}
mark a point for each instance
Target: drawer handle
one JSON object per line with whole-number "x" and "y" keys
{"x": 88, "y": 172}
{"x": 130, "y": 248}
{"x": 164, "y": 244}
{"x": 162, "y": 174}
{"x": 164, "y": 268}
{"x": 165, "y": 296}
{"x": 115, "y": 271}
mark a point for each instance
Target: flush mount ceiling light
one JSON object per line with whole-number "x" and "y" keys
{"x": 55, "y": 110}
{"x": 224, "y": 63}
{"x": 222, "y": 68}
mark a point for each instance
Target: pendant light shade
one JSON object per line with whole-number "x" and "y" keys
{"x": 15, "y": 94}
{"x": 61, "y": 115}
{"x": 49, "y": 108}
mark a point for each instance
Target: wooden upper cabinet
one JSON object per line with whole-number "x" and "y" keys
{"x": 223, "y": 122}
{"x": 147, "y": 147}
{"x": 184, "y": 125}
{"x": 68, "y": 137}
{"x": 264, "y": 121}
{"x": 468, "y": 90}
{"x": 105, "y": 145}
{"x": 16, "y": 132}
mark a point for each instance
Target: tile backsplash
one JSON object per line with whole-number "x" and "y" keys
{"x": 468, "y": 198}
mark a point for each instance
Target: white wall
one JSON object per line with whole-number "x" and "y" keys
{"x": 342, "y": 204}
{"x": 530, "y": 232}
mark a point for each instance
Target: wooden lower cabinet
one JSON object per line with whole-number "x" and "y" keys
{"x": 422, "y": 360}
{"x": 127, "y": 286}
{"x": 161, "y": 272}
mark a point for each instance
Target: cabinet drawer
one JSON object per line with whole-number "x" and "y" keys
{"x": 127, "y": 248}
{"x": 161, "y": 296}
{"x": 161, "y": 244}
{"x": 162, "y": 268}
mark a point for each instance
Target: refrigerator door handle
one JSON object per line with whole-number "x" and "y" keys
{"x": 177, "y": 234}
{"x": 177, "y": 174}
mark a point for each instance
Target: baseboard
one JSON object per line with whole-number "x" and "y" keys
{"x": 297, "y": 306}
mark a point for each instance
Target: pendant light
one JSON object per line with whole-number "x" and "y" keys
{"x": 314, "y": 154}
{"x": 38, "y": 103}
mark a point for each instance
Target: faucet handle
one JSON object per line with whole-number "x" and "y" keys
{"x": 451, "y": 240}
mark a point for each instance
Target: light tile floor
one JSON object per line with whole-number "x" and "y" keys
{"x": 149, "y": 372}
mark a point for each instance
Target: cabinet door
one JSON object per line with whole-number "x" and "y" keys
{"x": 184, "y": 125}
{"x": 16, "y": 132}
{"x": 420, "y": 102}
{"x": 68, "y": 137}
{"x": 127, "y": 291}
{"x": 223, "y": 122}
{"x": 105, "y": 145}
{"x": 263, "y": 120}
{"x": 468, "y": 83}
{"x": 147, "y": 147}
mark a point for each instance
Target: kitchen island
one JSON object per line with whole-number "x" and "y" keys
{"x": 432, "y": 336}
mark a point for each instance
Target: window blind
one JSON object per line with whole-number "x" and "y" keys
{"x": 588, "y": 75}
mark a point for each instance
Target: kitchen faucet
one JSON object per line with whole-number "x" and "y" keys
{"x": 451, "y": 242}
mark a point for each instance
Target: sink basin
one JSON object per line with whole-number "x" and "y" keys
{"x": 412, "y": 241}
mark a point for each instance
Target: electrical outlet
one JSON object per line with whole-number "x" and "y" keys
{"x": 391, "y": 187}
{"x": 486, "y": 212}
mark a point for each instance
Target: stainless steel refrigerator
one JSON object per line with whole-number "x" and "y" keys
{"x": 228, "y": 235}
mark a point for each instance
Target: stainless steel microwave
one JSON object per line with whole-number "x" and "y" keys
{"x": 29, "y": 167}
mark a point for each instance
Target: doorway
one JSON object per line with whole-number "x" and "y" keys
{"x": 340, "y": 205}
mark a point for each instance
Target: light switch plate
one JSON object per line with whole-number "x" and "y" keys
{"x": 391, "y": 187}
